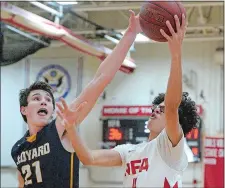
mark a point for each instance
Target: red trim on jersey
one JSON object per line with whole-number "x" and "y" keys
{"x": 167, "y": 184}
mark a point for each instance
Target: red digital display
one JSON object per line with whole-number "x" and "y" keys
{"x": 115, "y": 134}
{"x": 193, "y": 135}
{"x": 195, "y": 151}
{"x": 193, "y": 138}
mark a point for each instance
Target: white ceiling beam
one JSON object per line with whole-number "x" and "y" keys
{"x": 190, "y": 28}
{"x": 45, "y": 8}
{"x": 126, "y": 6}
{"x": 107, "y": 2}
{"x": 56, "y": 44}
{"x": 186, "y": 39}
{"x": 93, "y": 3}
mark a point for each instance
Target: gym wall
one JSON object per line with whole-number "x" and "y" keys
{"x": 153, "y": 62}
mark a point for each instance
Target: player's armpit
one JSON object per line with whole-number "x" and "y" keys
{"x": 20, "y": 180}
{"x": 105, "y": 157}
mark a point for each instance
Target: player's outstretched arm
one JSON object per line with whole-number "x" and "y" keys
{"x": 107, "y": 69}
{"x": 70, "y": 121}
{"x": 173, "y": 95}
{"x": 102, "y": 157}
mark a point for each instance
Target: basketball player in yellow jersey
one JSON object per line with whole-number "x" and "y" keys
{"x": 160, "y": 162}
{"x": 43, "y": 155}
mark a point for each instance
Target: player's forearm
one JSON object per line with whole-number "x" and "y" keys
{"x": 82, "y": 151}
{"x": 174, "y": 87}
{"x": 20, "y": 180}
{"x": 112, "y": 63}
{"x": 21, "y": 185}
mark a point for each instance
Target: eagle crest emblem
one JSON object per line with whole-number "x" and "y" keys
{"x": 58, "y": 78}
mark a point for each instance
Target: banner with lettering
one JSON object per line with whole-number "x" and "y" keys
{"x": 214, "y": 162}
{"x": 133, "y": 110}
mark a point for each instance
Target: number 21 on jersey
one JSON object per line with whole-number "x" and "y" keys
{"x": 26, "y": 170}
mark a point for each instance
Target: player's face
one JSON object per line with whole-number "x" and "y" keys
{"x": 39, "y": 109}
{"x": 157, "y": 120}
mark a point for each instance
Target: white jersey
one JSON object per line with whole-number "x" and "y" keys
{"x": 153, "y": 164}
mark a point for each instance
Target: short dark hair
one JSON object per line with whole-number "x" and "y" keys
{"x": 188, "y": 116}
{"x": 24, "y": 93}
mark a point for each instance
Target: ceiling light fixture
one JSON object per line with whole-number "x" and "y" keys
{"x": 67, "y": 2}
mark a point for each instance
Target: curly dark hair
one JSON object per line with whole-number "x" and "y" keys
{"x": 188, "y": 116}
{"x": 24, "y": 93}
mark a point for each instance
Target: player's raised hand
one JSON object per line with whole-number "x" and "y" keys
{"x": 175, "y": 41}
{"x": 70, "y": 117}
{"x": 134, "y": 24}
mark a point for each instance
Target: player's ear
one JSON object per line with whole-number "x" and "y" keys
{"x": 23, "y": 110}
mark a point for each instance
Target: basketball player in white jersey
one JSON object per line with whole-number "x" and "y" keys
{"x": 160, "y": 162}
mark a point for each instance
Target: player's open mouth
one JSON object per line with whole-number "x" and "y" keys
{"x": 42, "y": 112}
{"x": 153, "y": 116}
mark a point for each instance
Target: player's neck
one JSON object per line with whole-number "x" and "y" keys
{"x": 33, "y": 129}
{"x": 152, "y": 135}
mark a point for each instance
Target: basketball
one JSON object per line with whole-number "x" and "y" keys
{"x": 154, "y": 14}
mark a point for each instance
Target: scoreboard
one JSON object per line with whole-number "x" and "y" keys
{"x": 123, "y": 131}
{"x": 194, "y": 142}
{"x": 134, "y": 131}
